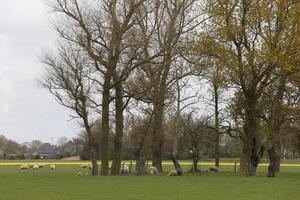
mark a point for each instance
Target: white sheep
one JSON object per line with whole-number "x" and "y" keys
{"x": 173, "y": 173}
{"x": 35, "y": 167}
{"x": 152, "y": 170}
{"x": 22, "y": 167}
{"x": 90, "y": 167}
{"x": 124, "y": 169}
{"x": 52, "y": 167}
{"x": 213, "y": 169}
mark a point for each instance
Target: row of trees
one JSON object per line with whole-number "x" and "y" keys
{"x": 143, "y": 56}
{"x": 10, "y": 149}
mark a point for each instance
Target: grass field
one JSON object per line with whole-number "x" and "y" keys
{"x": 63, "y": 184}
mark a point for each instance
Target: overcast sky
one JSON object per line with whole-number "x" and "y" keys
{"x": 27, "y": 111}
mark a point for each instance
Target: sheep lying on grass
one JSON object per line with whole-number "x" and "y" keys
{"x": 124, "y": 169}
{"x": 35, "y": 167}
{"x": 173, "y": 173}
{"x": 23, "y": 167}
{"x": 152, "y": 170}
{"x": 213, "y": 169}
{"x": 52, "y": 167}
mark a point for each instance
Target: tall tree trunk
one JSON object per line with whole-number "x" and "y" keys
{"x": 140, "y": 162}
{"x": 245, "y": 158}
{"x": 276, "y": 121}
{"x": 157, "y": 140}
{"x": 92, "y": 143}
{"x": 272, "y": 164}
{"x": 117, "y": 155}
{"x": 140, "y": 167}
{"x": 175, "y": 143}
{"x": 251, "y": 150}
{"x": 195, "y": 163}
{"x": 105, "y": 126}
{"x": 93, "y": 157}
{"x": 274, "y": 155}
{"x": 177, "y": 116}
{"x": 140, "y": 158}
{"x": 217, "y": 140}
{"x": 217, "y": 151}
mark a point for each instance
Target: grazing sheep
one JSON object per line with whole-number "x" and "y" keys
{"x": 213, "y": 169}
{"x": 22, "y": 167}
{"x": 84, "y": 166}
{"x": 90, "y": 167}
{"x": 35, "y": 167}
{"x": 124, "y": 169}
{"x": 152, "y": 170}
{"x": 52, "y": 167}
{"x": 173, "y": 173}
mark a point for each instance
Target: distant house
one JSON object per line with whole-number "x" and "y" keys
{"x": 47, "y": 150}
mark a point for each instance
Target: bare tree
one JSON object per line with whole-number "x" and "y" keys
{"x": 68, "y": 78}
{"x": 169, "y": 21}
{"x": 102, "y": 29}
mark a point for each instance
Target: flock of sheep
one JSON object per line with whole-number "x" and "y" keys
{"x": 36, "y": 166}
{"x": 124, "y": 169}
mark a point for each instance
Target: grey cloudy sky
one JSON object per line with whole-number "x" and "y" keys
{"x": 27, "y": 111}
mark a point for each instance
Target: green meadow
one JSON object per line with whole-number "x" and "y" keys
{"x": 64, "y": 184}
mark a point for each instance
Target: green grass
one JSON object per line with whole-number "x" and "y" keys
{"x": 63, "y": 184}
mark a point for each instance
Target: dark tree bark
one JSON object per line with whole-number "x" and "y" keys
{"x": 157, "y": 140}
{"x": 250, "y": 147}
{"x": 105, "y": 126}
{"x": 140, "y": 168}
{"x": 275, "y": 124}
{"x": 217, "y": 140}
{"x": 272, "y": 164}
{"x": 119, "y": 104}
{"x": 195, "y": 164}
{"x": 93, "y": 157}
